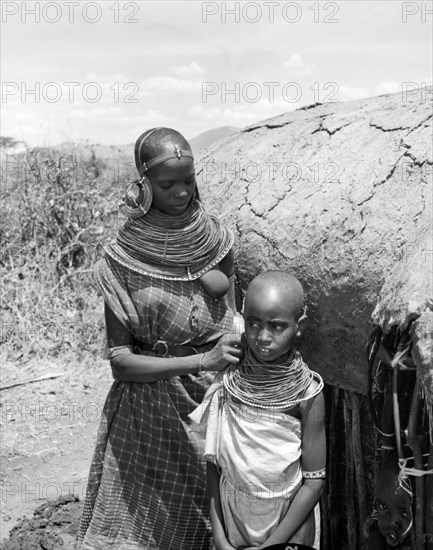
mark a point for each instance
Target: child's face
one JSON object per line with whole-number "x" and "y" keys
{"x": 173, "y": 185}
{"x": 394, "y": 512}
{"x": 270, "y": 324}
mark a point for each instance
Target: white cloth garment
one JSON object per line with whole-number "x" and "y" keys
{"x": 258, "y": 454}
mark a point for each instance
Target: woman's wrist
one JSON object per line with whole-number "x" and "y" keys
{"x": 134, "y": 367}
{"x": 200, "y": 364}
{"x": 203, "y": 365}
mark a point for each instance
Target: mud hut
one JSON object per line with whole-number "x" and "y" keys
{"x": 339, "y": 194}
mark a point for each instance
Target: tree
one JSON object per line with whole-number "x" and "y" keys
{"x": 7, "y": 142}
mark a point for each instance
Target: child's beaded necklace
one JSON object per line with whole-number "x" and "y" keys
{"x": 269, "y": 386}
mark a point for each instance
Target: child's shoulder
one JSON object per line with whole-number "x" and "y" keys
{"x": 312, "y": 393}
{"x": 314, "y": 388}
{"x": 316, "y": 384}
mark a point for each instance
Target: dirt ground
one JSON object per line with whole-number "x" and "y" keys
{"x": 47, "y": 439}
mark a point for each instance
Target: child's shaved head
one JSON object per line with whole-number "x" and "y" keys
{"x": 285, "y": 284}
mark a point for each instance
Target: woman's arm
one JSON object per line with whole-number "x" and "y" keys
{"x": 313, "y": 456}
{"x": 131, "y": 367}
{"x": 216, "y": 513}
{"x": 238, "y": 320}
{"x": 227, "y": 267}
{"x": 230, "y": 296}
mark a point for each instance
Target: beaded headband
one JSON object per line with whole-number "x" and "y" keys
{"x": 146, "y": 166}
{"x": 176, "y": 154}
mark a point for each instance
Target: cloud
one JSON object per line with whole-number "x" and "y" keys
{"x": 388, "y": 87}
{"x": 296, "y": 66}
{"x": 115, "y": 77}
{"x": 154, "y": 85}
{"x": 188, "y": 71}
{"x": 119, "y": 87}
{"x": 348, "y": 93}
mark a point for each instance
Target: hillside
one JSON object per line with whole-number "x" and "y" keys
{"x": 211, "y": 136}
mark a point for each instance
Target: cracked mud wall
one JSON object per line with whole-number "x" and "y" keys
{"x": 334, "y": 193}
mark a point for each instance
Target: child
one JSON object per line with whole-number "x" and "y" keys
{"x": 394, "y": 508}
{"x": 264, "y": 424}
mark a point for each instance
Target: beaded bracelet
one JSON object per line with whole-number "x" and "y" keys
{"x": 319, "y": 474}
{"x": 200, "y": 365}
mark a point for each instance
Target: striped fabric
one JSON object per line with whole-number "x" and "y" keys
{"x": 146, "y": 488}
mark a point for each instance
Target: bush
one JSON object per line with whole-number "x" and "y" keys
{"x": 56, "y": 212}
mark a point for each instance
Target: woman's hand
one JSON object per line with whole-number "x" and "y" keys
{"x": 227, "y": 351}
{"x": 238, "y": 323}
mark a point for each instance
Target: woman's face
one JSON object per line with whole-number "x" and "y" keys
{"x": 173, "y": 185}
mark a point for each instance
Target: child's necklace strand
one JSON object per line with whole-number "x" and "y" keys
{"x": 262, "y": 385}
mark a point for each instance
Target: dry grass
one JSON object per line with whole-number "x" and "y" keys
{"x": 56, "y": 212}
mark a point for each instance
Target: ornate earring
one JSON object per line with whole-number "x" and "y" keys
{"x": 138, "y": 198}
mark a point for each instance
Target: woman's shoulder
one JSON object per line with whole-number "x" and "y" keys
{"x": 108, "y": 269}
{"x": 101, "y": 270}
{"x": 100, "y": 265}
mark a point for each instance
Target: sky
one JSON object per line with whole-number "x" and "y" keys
{"x": 106, "y": 71}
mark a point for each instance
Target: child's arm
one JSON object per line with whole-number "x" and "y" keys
{"x": 216, "y": 513}
{"x": 313, "y": 455}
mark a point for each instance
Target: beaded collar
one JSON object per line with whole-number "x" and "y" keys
{"x": 269, "y": 386}
{"x": 172, "y": 247}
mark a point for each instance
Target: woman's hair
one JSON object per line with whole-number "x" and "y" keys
{"x": 157, "y": 141}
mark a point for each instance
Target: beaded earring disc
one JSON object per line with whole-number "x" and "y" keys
{"x": 137, "y": 199}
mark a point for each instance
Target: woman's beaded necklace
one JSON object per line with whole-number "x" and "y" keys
{"x": 190, "y": 239}
{"x": 269, "y": 386}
